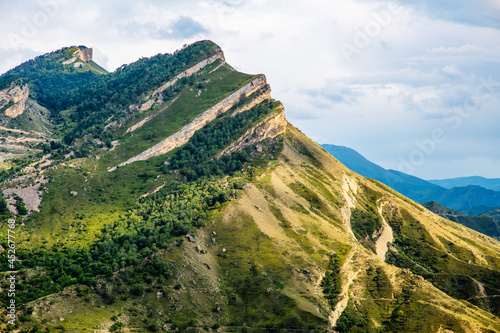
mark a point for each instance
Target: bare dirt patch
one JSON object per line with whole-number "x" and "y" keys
{"x": 386, "y": 235}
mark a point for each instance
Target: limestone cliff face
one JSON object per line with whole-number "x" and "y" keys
{"x": 152, "y": 99}
{"x": 15, "y": 98}
{"x": 182, "y": 137}
{"x": 83, "y": 54}
{"x": 190, "y": 71}
{"x": 148, "y": 105}
{"x": 265, "y": 93}
{"x": 269, "y": 127}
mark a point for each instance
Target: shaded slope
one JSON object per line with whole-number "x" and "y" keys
{"x": 484, "y": 223}
{"x": 476, "y": 210}
{"x": 469, "y": 196}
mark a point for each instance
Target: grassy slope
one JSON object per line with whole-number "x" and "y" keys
{"x": 270, "y": 254}
{"x": 95, "y": 67}
{"x": 305, "y": 235}
{"x": 103, "y": 196}
{"x": 406, "y": 290}
{"x": 171, "y": 117}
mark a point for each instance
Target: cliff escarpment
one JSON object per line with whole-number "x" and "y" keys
{"x": 190, "y": 71}
{"x": 269, "y": 127}
{"x": 13, "y": 100}
{"x": 155, "y": 96}
{"x": 80, "y": 53}
{"x": 182, "y": 137}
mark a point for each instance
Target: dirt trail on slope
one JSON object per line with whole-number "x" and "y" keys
{"x": 385, "y": 237}
{"x": 352, "y": 273}
{"x": 482, "y": 292}
{"x": 348, "y": 188}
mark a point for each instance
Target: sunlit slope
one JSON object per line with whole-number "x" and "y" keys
{"x": 195, "y": 206}
{"x": 286, "y": 225}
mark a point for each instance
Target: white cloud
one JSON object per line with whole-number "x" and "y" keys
{"x": 451, "y": 70}
{"x": 467, "y": 48}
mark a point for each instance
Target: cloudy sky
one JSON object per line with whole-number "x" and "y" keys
{"x": 412, "y": 85}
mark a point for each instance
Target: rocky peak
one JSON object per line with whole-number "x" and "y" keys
{"x": 80, "y": 53}
{"x": 84, "y": 54}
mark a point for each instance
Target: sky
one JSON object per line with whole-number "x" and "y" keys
{"x": 411, "y": 85}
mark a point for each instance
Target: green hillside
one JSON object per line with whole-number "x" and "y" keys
{"x": 487, "y": 224}
{"x": 176, "y": 197}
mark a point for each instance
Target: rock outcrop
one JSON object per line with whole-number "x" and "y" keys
{"x": 190, "y": 71}
{"x": 264, "y": 93}
{"x": 148, "y": 105}
{"x": 152, "y": 99}
{"x": 84, "y": 54}
{"x": 14, "y": 98}
{"x": 269, "y": 127}
{"x": 182, "y": 137}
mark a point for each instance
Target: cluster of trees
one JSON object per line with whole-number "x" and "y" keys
{"x": 365, "y": 223}
{"x": 3, "y": 204}
{"x": 6, "y": 80}
{"x": 193, "y": 158}
{"x": 331, "y": 283}
{"x": 59, "y": 148}
{"x": 348, "y": 322}
{"x": 160, "y": 218}
{"x": 50, "y": 147}
{"x": 51, "y": 84}
{"x": 21, "y": 208}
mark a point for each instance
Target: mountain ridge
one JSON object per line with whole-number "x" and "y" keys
{"x": 247, "y": 226}
{"x": 485, "y": 224}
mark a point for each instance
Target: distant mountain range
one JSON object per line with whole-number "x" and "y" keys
{"x": 488, "y": 183}
{"x": 468, "y": 196}
{"x": 481, "y": 210}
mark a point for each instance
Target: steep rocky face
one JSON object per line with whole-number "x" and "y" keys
{"x": 263, "y": 94}
{"x": 182, "y": 137}
{"x": 84, "y": 54}
{"x": 270, "y": 127}
{"x": 13, "y": 100}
